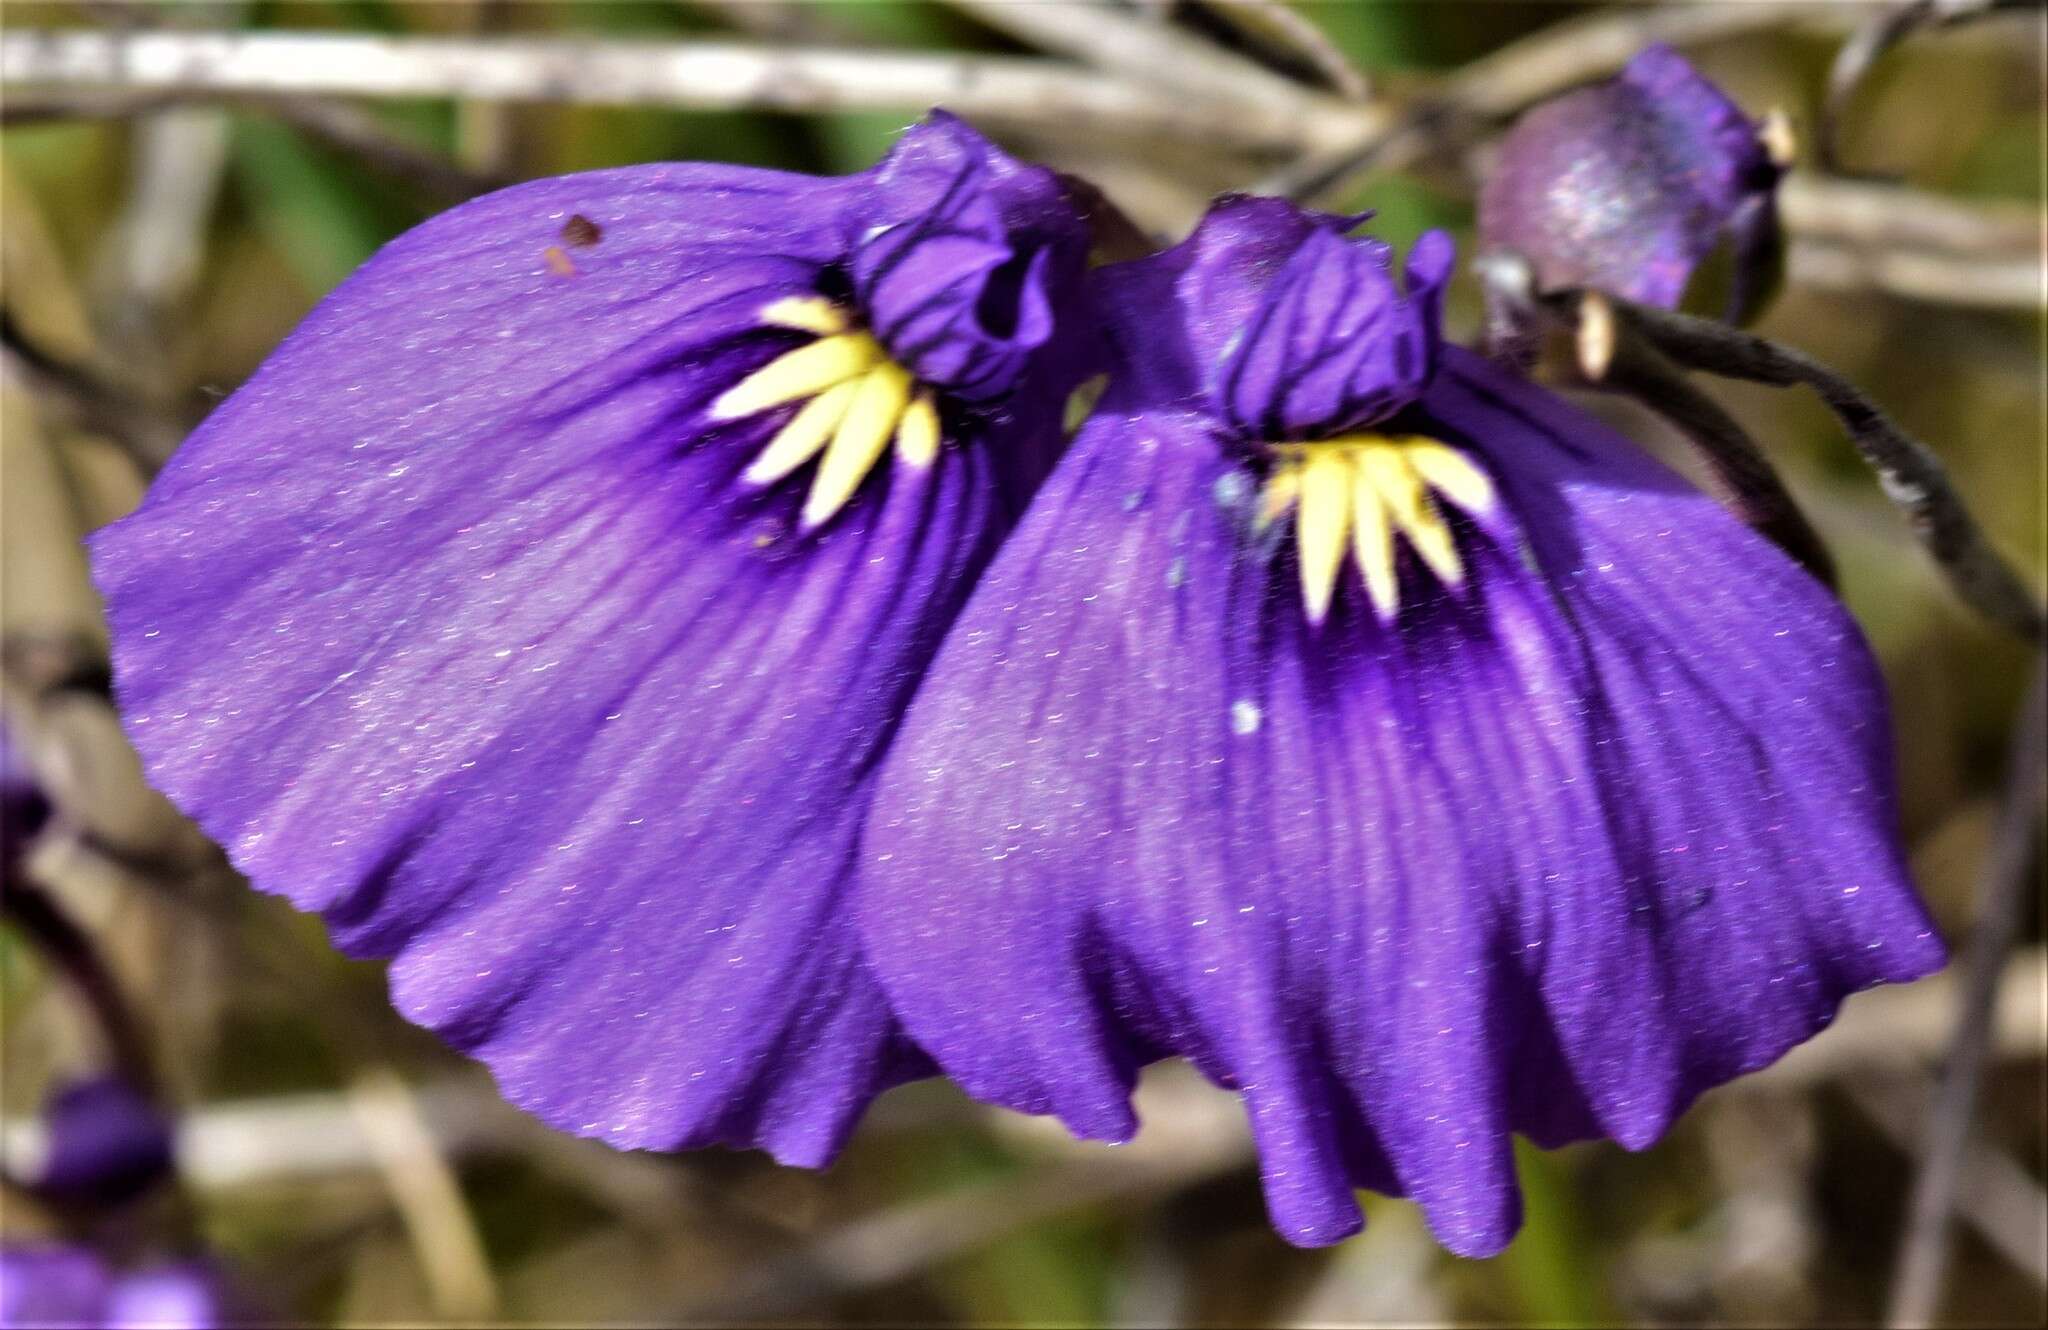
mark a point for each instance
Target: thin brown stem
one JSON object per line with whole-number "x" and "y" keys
{"x": 1910, "y": 472}
{"x": 1612, "y": 358}
{"x": 688, "y": 74}
{"x": 2004, "y": 889}
{"x": 68, "y": 947}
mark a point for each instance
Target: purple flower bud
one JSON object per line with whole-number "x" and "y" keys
{"x": 1631, "y": 185}
{"x": 105, "y": 1144}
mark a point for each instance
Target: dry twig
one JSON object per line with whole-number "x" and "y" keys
{"x": 1988, "y": 282}
{"x": 2004, "y": 890}
{"x": 427, "y": 1194}
{"x": 1150, "y": 52}
{"x": 1288, "y": 36}
{"x": 71, "y": 951}
{"x": 1517, "y": 76}
{"x": 338, "y": 124}
{"x": 92, "y": 399}
{"x": 1994, "y": 1193}
{"x": 700, "y": 75}
{"x": 1858, "y": 235}
{"x": 1868, "y": 44}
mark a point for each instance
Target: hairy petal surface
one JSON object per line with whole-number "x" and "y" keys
{"x": 1741, "y": 745}
{"x": 1554, "y": 853}
{"x": 462, "y": 625}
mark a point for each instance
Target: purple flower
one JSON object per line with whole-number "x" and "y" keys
{"x": 51, "y": 1285}
{"x": 1630, "y": 185}
{"x": 540, "y": 611}
{"x": 104, "y": 1143}
{"x": 1395, "y": 742}
{"x": 55, "y": 1285}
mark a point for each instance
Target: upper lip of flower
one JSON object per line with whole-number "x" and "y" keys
{"x": 1318, "y": 335}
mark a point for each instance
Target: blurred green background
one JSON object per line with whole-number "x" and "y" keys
{"x": 356, "y": 1172}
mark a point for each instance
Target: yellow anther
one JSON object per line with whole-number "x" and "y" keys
{"x": 1321, "y": 521}
{"x": 1450, "y": 473}
{"x": 807, "y": 431}
{"x": 798, "y": 374}
{"x": 1283, "y": 491}
{"x": 858, "y": 443}
{"x": 917, "y": 434}
{"x": 855, "y": 400}
{"x": 812, "y": 314}
{"x": 1372, "y": 545}
{"x": 1414, "y": 513}
{"x": 1363, "y": 491}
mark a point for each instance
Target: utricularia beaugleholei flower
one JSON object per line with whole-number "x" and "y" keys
{"x": 577, "y": 609}
{"x": 541, "y": 611}
{"x": 1653, "y": 185}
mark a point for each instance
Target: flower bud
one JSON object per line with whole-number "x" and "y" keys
{"x": 1653, "y": 185}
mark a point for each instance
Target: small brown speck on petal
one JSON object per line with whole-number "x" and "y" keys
{"x": 581, "y": 232}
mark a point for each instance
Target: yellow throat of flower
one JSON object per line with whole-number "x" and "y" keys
{"x": 1361, "y": 491}
{"x": 855, "y": 401}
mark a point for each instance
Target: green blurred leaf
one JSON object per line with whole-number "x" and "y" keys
{"x": 855, "y": 140}
{"x": 1557, "y": 1274}
{"x": 2006, "y": 163}
{"x": 1404, "y": 207}
{"x": 1377, "y": 36}
{"x": 303, "y": 204}
{"x": 907, "y": 23}
{"x": 1390, "y": 36}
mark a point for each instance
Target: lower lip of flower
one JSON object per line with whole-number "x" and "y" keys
{"x": 1364, "y": 491}
{"x": 855, "y": 400}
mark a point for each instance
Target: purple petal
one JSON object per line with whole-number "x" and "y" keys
{"x": 1333, "y": 345}
{"x": 50, "y": 1285}
{"x": 1741, "y": 738}
{"x": 1628, "y": 185}
{"x": 460, "y": 625}
{"x": 1553, "y": 854}
{"x": 1186, "y": 836}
